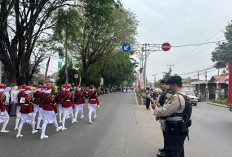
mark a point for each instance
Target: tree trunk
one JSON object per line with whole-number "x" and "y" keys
{"x": 11, "y": 75}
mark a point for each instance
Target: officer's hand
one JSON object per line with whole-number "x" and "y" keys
{"x": 156, "y": 118}
{"x": 30, "y": 114}
{"x": 153, "y": 106}
{"x": 157, "y": 103}
{"x": 2, "y": 113}
{"x": 56, "y": 114}
{"x": 98, "y": 106}
{"x": 153, "y": 101}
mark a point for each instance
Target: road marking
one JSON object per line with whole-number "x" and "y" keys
{"x": 136, "y": 99}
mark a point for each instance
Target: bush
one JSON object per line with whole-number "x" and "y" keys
{"x": 143, "y": 95}
{"x": 223, "y": 101}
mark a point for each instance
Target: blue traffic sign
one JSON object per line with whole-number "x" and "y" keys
{"x": 126, "y": 47}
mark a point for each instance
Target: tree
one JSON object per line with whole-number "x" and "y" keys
{"x": 61, "y": 77}
{"x": 105, "y": 26}
{"x": 22, "y": 25}
{"x": 223, "y": 52}
{"x": 167, "y": 74}
{"x": 117, "y": 68}
{"x": 65, "y": 32}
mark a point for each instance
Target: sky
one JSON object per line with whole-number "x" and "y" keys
{"x": 180, "y": 22}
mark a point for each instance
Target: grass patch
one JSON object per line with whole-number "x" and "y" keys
{"x": 223, "y": 101}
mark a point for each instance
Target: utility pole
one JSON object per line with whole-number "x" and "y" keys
{"x": 145, "y": 63}
{"x": 170, "y": 68}
{"x": 66, "y": 58}
{"x": 154, "y": 80}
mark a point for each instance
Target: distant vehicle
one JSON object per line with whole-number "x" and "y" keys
{"x": 191, "y": 96}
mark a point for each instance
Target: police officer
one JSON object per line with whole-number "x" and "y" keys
{"x": 162, "y": 100}
{"x": 174, "y": 134}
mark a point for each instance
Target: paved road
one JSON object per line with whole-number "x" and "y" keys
{"x": 123, "y": 129}
{"x": 211, "y": 133}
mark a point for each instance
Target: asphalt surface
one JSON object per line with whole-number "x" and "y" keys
{"x": 211, "y": 132}
{"x": 123, "y": 129}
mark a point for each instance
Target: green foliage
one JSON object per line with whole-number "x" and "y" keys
{"x": 223, "y": 101}
{"x": 104, "y": 28}
{"x": 223, "y": 53}
{"x": 167, "y": 74}
{"x": 118, "y": 69}
{"x": 61, "y": 75}
{"x": 53, "y": 89}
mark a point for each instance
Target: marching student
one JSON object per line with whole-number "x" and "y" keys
{"x": 49, "y": 112}
{"x": 18, "y": 108}
{"x": 40, "y": 117}
{"x": 67, "y": 105}
{"x": 36, "y": 96}
{"x": 60, "y": 102}
{"x": 26, "y": 112}
{"x": 4, "y": 117}
{"x": 79, "y": 102}
{"x": 93, "y": 103}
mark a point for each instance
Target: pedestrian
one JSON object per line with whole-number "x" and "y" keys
{"x": 60, "y": 102}
{"x": 26, "y": 112}
{"x": 18, "y": 108}
{"x": 93, "y": 103}
{"x": 4, "y": 117}
{"x": 36, "y": 96}
{"x": 14, "y": 100}
{"x": 40, "y": 117}
{"x": 79, "y": 102}
{"x": 148, "y": 98}
{"x": 175, "y": 128}
{"x": 165, "y": 95}
{"x": 7, "y": 101}
{"x": 49, "y": 112}
{"x": 67, "y": 105}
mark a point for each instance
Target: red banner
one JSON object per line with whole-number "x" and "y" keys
{"x": 46, "y": 73}
{"x": 230, "y": 86}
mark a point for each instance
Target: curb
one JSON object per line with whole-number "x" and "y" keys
{"x": 216, "y": 104}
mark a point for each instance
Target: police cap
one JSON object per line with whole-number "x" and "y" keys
{"x": 163, "y": 81}
{"x": 176, "y": 79}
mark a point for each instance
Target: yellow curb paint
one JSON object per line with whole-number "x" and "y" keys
{"x": 136, "y": 99}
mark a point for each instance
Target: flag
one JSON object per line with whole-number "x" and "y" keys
{"x": 227, "y": 72}
{"x": 218, "y": 79}
{"x": 45, "y": 79}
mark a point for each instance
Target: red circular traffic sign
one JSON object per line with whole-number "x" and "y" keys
{"x": 76, "y": 76}
{"x": 166, "y": 46}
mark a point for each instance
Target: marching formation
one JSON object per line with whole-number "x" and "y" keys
{"x": 47, "y": 106}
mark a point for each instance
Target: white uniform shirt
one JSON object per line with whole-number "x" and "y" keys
{"x": 7, "y": 94}
{"x": 14, "y": 94}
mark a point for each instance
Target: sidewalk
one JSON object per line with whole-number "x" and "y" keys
{"x": 148, "y": 135}
{"x": 216, "y": 104}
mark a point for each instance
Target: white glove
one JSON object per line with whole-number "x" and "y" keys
{"x": 2, "y": 113}
{"x": 98, "y": 106}
{"x": 56, "y": 114}
{"x": 30, "y": 114}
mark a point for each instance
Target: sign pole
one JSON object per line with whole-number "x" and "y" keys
{"x": 230, "y": 87}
